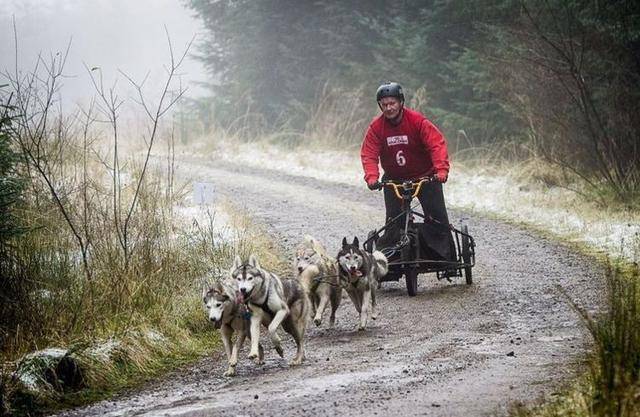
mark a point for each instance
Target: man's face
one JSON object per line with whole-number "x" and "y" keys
{"x": 390, "y": 107}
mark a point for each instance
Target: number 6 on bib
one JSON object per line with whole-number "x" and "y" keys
{"x": 400, "y": 159}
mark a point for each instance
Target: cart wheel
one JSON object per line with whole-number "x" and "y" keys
{"x": 370, "y": 241}
{"x": 411, "y": 279}
{"x": 466, "y": 255}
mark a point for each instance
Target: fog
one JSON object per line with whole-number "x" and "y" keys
{"x": 109, "y": 34}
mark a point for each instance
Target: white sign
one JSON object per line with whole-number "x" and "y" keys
{"x": 203, "y": 193}
{"x": 397, "y": 140}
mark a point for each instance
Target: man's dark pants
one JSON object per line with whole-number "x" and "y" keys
{"x": 431, "y": 199}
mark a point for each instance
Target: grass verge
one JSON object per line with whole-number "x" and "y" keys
{"x": 121, "y": 338}
{"x": 611, "y": 387}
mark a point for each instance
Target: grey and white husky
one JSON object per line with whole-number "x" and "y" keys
{"x": 228, "y": 316}
{"x": 266, "y": 296}
{"x": 318, "y": 274}
{"x": 359, "y": 272}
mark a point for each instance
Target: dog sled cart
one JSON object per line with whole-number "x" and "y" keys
{"x": 408, "y": 242}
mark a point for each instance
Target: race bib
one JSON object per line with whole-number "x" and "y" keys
{"x": 397, "y": 140}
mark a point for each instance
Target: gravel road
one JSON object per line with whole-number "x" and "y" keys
{"x": 453, "y": 350}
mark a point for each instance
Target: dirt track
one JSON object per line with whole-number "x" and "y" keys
{"x": 453, "y": 350}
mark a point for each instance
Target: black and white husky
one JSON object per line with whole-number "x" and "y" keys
{"x": 359, "y": 272}
{"x": 228, "y": 316}
{"x": 271, "y": 300}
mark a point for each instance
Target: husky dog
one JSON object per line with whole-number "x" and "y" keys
{"x": 359, "y": 272}
{"x": 283, "y": 301}
{"x": 318, "y": 275}
{"x": 228, "y": 316}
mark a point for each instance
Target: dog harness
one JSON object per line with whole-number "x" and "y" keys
{"x": 321, "y": 280}
{"x": 264, "y": 306}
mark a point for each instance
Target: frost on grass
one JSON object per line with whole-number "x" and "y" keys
{"x": 206, "y": 218}
{"x": 104, "y": 351}
{"x": 557, "y": 210}
{"x": 32, "y": 369}
{"x": 155, "y": 337}
{"x": 330, "y": 165}
{"x": 554, "y": 209}
{"x": 56, "y": 370}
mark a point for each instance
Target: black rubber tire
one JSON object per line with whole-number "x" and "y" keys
{"x": 468, "y": 277}
{"x": 369, "y": 246}
{"x": 411, "y": 279}
{"x": 466, "y": 255}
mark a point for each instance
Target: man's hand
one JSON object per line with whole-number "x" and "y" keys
{"x": 375, "y": 185}
{"x": 441, "y": 176}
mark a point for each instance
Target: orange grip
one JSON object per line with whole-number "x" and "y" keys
{"x": 416, "y": 186}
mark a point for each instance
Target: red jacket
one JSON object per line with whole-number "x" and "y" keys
{"x": 413, "y": 149}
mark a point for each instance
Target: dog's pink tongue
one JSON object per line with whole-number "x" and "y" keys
{"x": 239, "y": 297}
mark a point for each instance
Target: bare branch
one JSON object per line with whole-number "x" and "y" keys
{"x": 161, "y": 109}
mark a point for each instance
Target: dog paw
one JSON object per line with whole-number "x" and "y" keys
{"x": 361, "y": 328}
{"x": 279, "y": 350}
{"x": 296, "y": 362}
{"x": 317, "y": 322}
{"x": 230, "y": 372}
{"x": 259, "y": 361}
{"x": 253, "y": 355}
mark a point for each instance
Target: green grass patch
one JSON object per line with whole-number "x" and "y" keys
{"x": 611, "y": 386}
{"x": 127, "y": 322}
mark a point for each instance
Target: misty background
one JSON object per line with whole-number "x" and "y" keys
{"x": 110, "y": 34}
{"x": 558, "y": 79}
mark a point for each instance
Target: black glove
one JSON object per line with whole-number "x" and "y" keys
{"x": 375, "y": 185}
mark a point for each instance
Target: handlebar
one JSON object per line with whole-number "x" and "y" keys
{"x": 405, "y": 188}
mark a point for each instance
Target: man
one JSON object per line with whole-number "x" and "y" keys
{"x": 408, "y": 147}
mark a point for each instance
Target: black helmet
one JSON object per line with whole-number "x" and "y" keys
{"x": 390, "y": 89}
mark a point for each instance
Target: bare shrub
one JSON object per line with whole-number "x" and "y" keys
{"x": 102, "y": 253}
{"x": 577, "y": 89}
